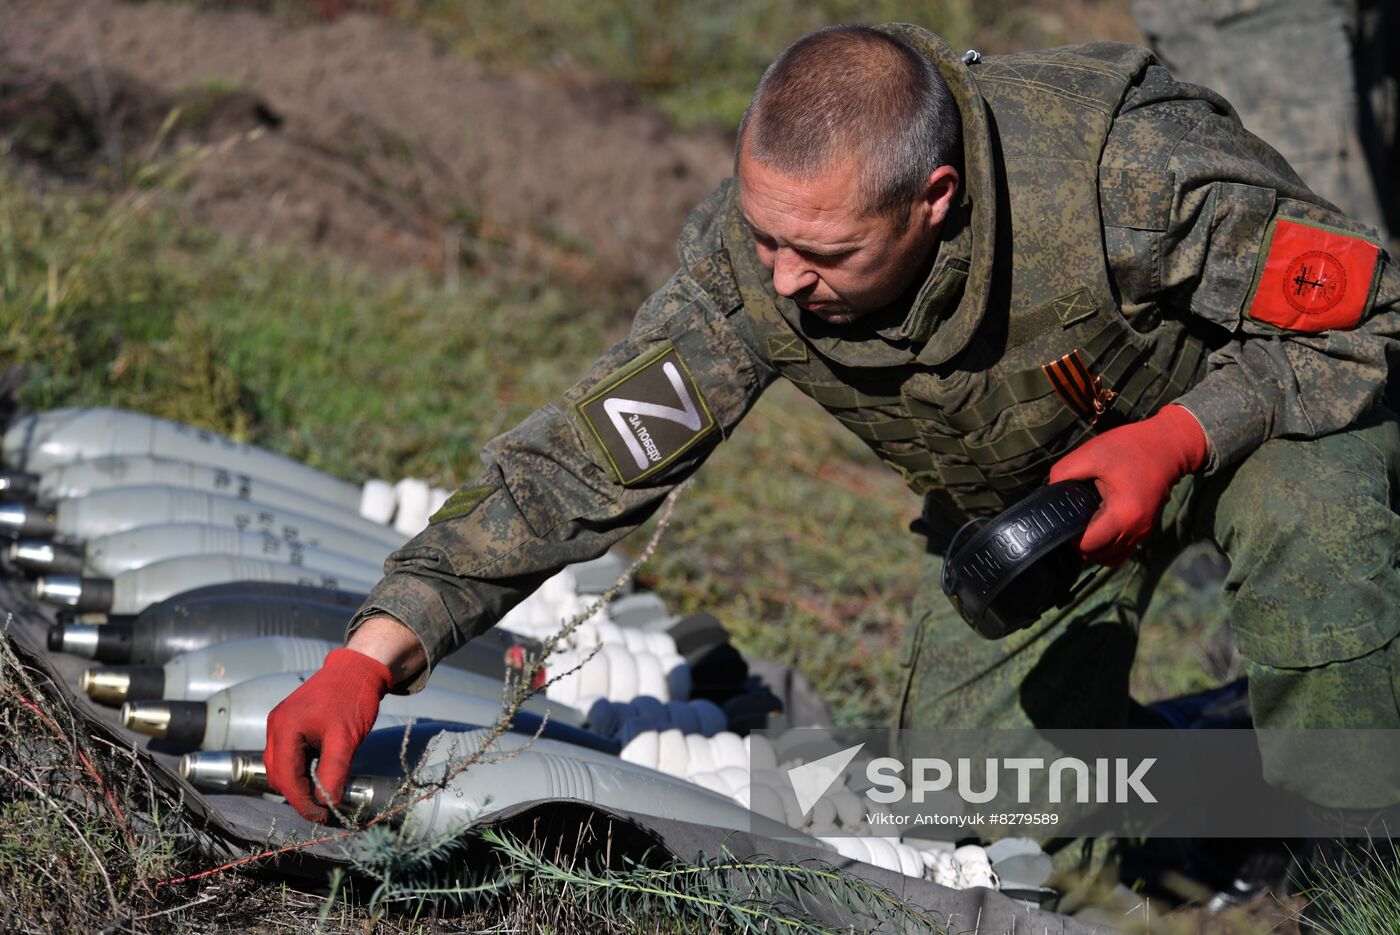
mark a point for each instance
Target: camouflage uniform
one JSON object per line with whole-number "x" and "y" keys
{"x": 1316, "y": 79}
{"x": 1109, "y": 215}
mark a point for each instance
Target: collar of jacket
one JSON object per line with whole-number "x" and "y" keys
{"x": 950, "y": 306}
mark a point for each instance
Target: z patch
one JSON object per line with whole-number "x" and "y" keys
{"x": 647, "y": 416}
{"x": 1314, "y": 278}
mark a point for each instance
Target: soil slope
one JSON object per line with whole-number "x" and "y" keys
{"x": 374, "y": 143}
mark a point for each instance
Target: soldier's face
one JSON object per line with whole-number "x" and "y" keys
{"x": 828, "y": 255}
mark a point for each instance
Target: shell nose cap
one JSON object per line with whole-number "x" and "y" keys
{"x": 180, "y": 722}
{"x": 83, "y": 594}
{"x": 28, "y": 553}
{"x": 111, "y": 686}
{"x": 146, "y": 717}
{"x": 78, "y": 639}
{"x": 209, "y": 769}
{"x": 44, "y": 555}
{"x": 18, "y": 484}
{"x": 249, "y": 772}
{"x": 18, "y": 519}
{"x": 66, "y": 590}
{"x": 106, "y": 642}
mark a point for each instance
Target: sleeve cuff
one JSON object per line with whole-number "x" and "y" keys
{"x": 417, "y": 605}
{"x": 1233, "y": 414}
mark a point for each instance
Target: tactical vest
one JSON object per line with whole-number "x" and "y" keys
{"x": 968, "y": 411}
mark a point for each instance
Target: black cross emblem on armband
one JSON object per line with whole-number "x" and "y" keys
{"x": 1301, "y": 281}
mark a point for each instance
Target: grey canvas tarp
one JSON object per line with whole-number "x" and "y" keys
{"x": 236, "y": 825}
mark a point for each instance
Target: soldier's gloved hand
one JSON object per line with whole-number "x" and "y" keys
{"x": 1134, "y": 467}
{"x": 329, "y": 713}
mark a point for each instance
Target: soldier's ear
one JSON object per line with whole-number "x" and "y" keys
{"x": 938, "y": 196}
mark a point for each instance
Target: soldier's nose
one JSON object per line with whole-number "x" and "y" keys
{"x": 790, "y": 274}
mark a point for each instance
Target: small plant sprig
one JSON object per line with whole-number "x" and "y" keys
{"x": 728, "y": 894}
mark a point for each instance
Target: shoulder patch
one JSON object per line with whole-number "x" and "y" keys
{"x": 1314, "y": 278}
{"x": 647, "y": 415}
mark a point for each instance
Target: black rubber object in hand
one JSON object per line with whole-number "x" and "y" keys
{"x": 1003, "y": 573}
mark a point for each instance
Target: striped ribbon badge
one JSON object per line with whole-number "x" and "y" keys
{"x": 1082, "y": 392}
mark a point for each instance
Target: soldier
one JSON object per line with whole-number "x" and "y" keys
{"x": 997, "y": 272}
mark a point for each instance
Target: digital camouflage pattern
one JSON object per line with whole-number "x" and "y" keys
{"x": 1113, "y": 213}
{"x": 1316, "y": 79}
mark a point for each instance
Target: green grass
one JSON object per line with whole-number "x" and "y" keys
{"x": 1361, "y": 901}
{"x": 83, "y": 828}
{"x": 523, "y": 887}
{"x": 698, "y": 61}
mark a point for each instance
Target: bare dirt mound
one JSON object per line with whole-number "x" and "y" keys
{"x": 370, "y": 141}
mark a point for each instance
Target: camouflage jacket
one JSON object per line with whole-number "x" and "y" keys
{"x": 1114, "y": 223}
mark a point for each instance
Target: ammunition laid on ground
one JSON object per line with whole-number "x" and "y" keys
{"x": 196, "y": 619}
{"x": 68, "y": 481}
{"x": 512, "y": 770}
{"x": 44, "y": 556}
{"x": 236, "y": 717}
{"x": 133, "y": 591}
{"x": 529, "y": 775}
{"x": 198, "y": 674}
{"x": 243, "y": 771}
{"x": 24, "y": 521}
{"x": 45, "y": 440}
{"x": 210, "y": 770}
{"x": 20, "y": 485}
{"x": 117, "y": 509}
{"x": 110, "y": 555}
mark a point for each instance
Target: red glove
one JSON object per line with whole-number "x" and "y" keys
{"x": 1134, "y": 466}
{"x": 329, "y": 713}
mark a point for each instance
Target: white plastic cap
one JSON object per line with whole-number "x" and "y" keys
{"x": 672, "y": 755}
{"x": 377, "y": 501}
{"x": 701, "y": 759}
{"x": 414, "y": 497}
{"x": 643, "y": 749}
{"x": 622, "y": 685}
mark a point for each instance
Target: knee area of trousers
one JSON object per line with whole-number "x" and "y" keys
{"x": 1311, "y": 497}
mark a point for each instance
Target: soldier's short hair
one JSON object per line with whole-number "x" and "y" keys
{"x": 854, "y": 91}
